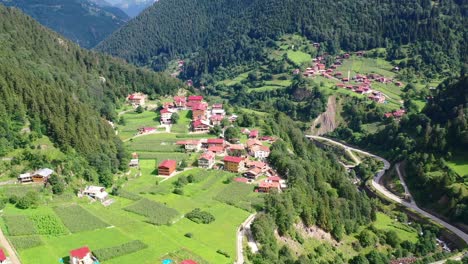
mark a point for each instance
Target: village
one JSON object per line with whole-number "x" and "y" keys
{"x": 359, "y": 83}
{"x": 248, "y": 160}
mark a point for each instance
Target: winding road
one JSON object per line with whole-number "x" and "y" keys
{"x": 244, "y": 229}
{"x": 380, "y": 188}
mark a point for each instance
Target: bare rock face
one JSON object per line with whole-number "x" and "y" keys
{"x": 326, "y": 122}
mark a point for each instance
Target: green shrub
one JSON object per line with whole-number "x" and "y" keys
{"x": 198, "y": 216}
{"x": 224, "y": 253}
{"x": 178, "y": 191}
{"x": 189, "y": 235}
{"x": 104, "y": 254}
{"x": 156, "y": 213}
{"x": 77, "y": 219}
{"x": 48, "y": 224}
{"x": 25, "y": 242}
{"x": 19, "y": 225}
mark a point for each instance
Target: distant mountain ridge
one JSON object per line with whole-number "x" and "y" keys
{"x": 223, "y": 32}
{"x": 131, "y": 7}
{"x": 81, "y": 21}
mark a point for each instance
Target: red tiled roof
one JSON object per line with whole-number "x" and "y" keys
{"x": 215, "y": 141}
{"x": 188, "y": 261}
{"x": 2, "y": 255}
{"x": 241, "y": 179}
{"x": 274, "y": 179}
{"x": 265, "y": 184}
{"x": 217, "y": 117}
{"x": 164, "y": 111}
{"x": 180, "y": 99}
{"x": 233, "y": 159}
{"x": 207, "y": 155}
{"x": 168, "y": 164}
{"x": 199, "y": 106}
{"x": 253, "y": 133}
{"x": 218, "y": 106}
{"x": 198, "y": 123}
{"x": 80, "y": 253}
{"x": 188, "y": 142}
{"x": 216, "y": 149}
{"x": 237, "y": 147}
{"x": 195, "y": 98}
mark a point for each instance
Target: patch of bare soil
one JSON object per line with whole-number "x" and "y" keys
{"x": 326, "y": 122}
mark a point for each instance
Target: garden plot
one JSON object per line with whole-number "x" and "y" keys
{"x": 77, "y": 219}
{"x": 156, "y": 213}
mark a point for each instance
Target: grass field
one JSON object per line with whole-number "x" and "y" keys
{"x": 133, "y": 121}
{"x": 183, "y": 123}
{"x": 299, "y": 57}
{"x": 459, "y": 164}
{"x": 116, "y": 226}
{"x": 405, "y": 232}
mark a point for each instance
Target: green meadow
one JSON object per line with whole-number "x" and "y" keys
{"x": 114, "y": 225}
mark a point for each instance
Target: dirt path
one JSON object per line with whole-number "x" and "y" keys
{"x": 9, "y": 249}
{"x": 384, "y": 191}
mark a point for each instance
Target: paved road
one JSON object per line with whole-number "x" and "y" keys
{"x": 244, "y": 228}
{"x": 376, "y": 184}
{"x": 8, "y": 248}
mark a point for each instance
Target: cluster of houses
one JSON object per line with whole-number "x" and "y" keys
{"x": 38, "y": 176}
{"x": 397, "y": 114}
{"x": 247, "y": 159}
{"x": 204, "y": 116}
{"x": 363, "y": 82}
{"x": 137, "y": 99}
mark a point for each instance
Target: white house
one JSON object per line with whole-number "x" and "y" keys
{"x": 96, "y": 192}
{"x": 259, "y": 152}
{"x": 81, "y": 256}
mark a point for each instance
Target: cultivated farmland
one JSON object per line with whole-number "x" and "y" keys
{"x": 77, "y": 219}
{"x": 156, "y": 213}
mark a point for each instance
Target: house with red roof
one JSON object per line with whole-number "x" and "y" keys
{"x": 259, "y": 151}
{"x": 206, "y": 160}
{"x": 216, "y": 119}
{"x": 218, "y": 150}
{"x": 166, "y": 115}
{"x": 146, "y": 130}
{"x": 200, "y": 126}
{"x": 180, "y": 101}
{"x": 267, "y": 187}
{"x": 188, "y": 261}
{"x": 137, "y": 99}
{"x": 377, "y": 97}
{"x": 256, "y": 164}
{"x": 241, "y": 179}
{"x": 233, "y": 164}
{"x": 236, "y": 150}
{"x": 253, "y": 173}
{"x": 253, "y": 134}
{"x": 190, "y": 145}
{"x": 82, "y": 256}
{"x": 199, "y": 111}
{"x": 167, "y": 167}
{"x": 3, "y": 258}
{"x": 215, "y": 142}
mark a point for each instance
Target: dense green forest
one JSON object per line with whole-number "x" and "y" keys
{"x": 321, "y": 193}
{"x": 426, "y": 36}
{"x": 426, "y": 140}
{"x": 78, "y": 20}
{"x": 50, "y": 86}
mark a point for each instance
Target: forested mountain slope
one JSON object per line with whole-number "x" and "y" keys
{"x": 215, "y": 33}
{"x": 79, "y": 20}
{"x": 428, "y": 140}
{"x": 52, "y": 87}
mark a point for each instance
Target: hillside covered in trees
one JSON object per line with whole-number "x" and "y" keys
{"x": 49, "y": 86}
{"x": 81, "y": 21}
{"x": 424, "y": 35}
